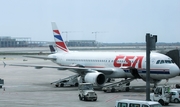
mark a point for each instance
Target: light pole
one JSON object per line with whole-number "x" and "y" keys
{"x": 66, "y": 34}
{"x": 150, "y": 45}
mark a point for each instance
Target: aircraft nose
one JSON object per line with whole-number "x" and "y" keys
{"x": 174, "y": 71}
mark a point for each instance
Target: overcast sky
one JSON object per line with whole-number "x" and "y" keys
{"x": 115, "y": 20}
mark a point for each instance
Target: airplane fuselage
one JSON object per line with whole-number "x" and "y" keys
{"x": 120, "y": 62}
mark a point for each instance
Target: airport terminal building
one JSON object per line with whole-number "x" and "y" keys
{"x": 7, "y": 41}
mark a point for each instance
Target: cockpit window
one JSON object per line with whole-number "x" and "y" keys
{"x": 168, "y": 61}
{"x": 164, "y": 61}
{"x": 158, "y": 62}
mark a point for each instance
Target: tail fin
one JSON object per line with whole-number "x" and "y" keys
{"x": 61, "y": 46}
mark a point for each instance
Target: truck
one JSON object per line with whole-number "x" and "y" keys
{"x": 175, "y": 95}
{"x": 136, "y": 103}
{"x": 161, "y": 94}
{"x": 86, "y": 92}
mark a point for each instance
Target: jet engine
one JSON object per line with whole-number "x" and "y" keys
{"x": 96, "y": 78}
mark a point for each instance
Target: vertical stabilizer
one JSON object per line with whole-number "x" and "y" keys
{"x": 60, "y": 44}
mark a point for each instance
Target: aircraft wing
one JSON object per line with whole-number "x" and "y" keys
{"x": 75, "y": 69}
{"x": 40, "y": 57}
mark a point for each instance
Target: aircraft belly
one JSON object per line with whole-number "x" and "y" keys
{"x": 154, "y": 76}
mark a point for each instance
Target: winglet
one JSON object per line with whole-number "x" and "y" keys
{"x": 61, "y": 46}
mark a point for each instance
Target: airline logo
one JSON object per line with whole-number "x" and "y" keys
{"x": 128, "y": 61}
{"x": 59, "y": 41}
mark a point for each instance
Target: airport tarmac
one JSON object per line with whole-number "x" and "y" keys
{"x": 30, "y": 87}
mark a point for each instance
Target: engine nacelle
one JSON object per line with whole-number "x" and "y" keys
{"x": 96, "y": 78}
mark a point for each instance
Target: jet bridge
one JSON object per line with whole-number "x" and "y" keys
{"x": 174, "y": 54}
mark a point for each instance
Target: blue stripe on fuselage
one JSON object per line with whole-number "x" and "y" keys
{"x": 151, "y": 71}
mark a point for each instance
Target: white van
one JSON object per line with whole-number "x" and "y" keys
{"x": 175, "y": 95}
{"x": 136, "y": 103}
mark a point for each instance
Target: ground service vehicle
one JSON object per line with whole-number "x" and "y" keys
{"x": 175, "y": 95}
{"x": 136, "y": 103}
{"x": 161, "y": 94}
{"x": 86, "y": 92}
{"x": 122, "y": 85}
{"x": 69, "y": 81}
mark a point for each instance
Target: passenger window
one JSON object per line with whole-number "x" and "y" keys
{"x": 173, "y": 93}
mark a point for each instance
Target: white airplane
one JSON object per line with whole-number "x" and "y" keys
{"x": 96, "y": 67}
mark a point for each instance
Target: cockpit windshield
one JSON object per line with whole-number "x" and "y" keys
{"x": 164, "y": 62}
